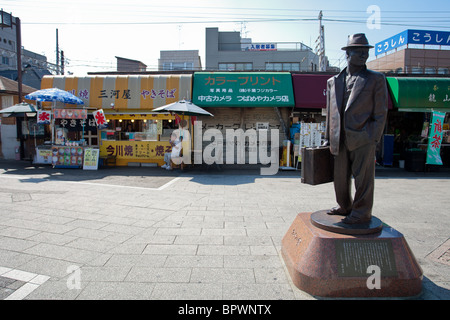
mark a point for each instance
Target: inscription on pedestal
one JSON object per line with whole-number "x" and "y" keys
{"x": 355, "y": 256}
{"x": 296, "y": 237}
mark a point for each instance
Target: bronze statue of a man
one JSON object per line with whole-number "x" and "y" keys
{"x": 356, "y": 114}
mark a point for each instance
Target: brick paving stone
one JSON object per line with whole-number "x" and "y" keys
{"x": 214, "y": 235}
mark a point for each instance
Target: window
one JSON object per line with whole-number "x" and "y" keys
{"x": 443, "y": 71}
{"x": 5, "y": 60}
{"x": 283, "y": 66}
{"x": 235, "y": 66}
{"x": 227, "y": 67}
{"x": 168, "y": 66}
{"x": 286, "y": 67}
{"x": 295, "y": 67}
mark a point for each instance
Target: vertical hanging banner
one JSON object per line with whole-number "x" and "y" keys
{"x": 44, "y": 117}
{"x": 435, "y": 138}
{"x": 100, "y": 119}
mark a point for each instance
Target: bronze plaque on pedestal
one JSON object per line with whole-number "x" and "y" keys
{"x": 355, "y": 256}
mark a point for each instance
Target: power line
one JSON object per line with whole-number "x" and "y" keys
{"x": 143, "y": 5}
{"x": 133, "y": 10}
{"x": 170, "y": 22}
{"x": 256, "y": 20}
{"x": 387, "y": 23}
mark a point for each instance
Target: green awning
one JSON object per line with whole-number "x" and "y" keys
{"x": 243, "y": 89}
{"x": 420, "y": 94}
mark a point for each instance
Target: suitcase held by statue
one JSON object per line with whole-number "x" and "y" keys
{"x": 317, "y": 165}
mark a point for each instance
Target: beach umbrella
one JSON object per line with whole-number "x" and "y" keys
{"x": 54, "y": 94}
{"x": 22, "y": 109}
{"x": 19, "y": 110}
{"x": 184, "y": 107}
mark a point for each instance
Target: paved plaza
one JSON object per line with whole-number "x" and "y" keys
{"x": 147, "y": 233}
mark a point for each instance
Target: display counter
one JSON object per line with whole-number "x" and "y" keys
{"x": 126, "y": 152}
{"x": 139, "y": 139}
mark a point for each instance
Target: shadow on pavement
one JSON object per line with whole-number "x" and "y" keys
{"x": 210, "y": 175}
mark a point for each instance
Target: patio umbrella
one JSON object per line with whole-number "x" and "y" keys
{"x": 20, "y": 110}
{"x": 185, "y": 108}
{"x": 54, "y": 94}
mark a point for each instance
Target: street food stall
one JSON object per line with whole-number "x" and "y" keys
{"x": 66, "y": 151}
{"x": 131, "y": 134}
{"x": 28, "y": 132}
{"x": 132, "y": 139}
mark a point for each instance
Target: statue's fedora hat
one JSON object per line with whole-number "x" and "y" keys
{"x": 357, "y": 40}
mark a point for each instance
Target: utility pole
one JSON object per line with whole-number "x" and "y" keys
{"x": 19, "y": 58}
{"x": 322, "y": 64}
{"x": 57, "y": 53}
{"x": 62, "y": 62}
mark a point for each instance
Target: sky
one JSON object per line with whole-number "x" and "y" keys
{"x": 93, "y": 32}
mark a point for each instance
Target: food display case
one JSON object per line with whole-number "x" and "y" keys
{"x": 67, "y": 156}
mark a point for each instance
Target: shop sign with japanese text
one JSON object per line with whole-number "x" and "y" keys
{"x": 44, "y": 117}
{"x": 424, "y": 37}
{"x": 420, "y": 94}
{"x": 78, "y": 124}
{"x": 143, "y": 150}
{"x": 238, "y": 89}
{"x": 100, "y": 119}
{"x": 259, "y": 47}
{"x": 122, "y": 92}
{"x": 127, "y": 93}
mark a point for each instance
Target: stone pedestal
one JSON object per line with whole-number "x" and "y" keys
{"x": 330, "y": 264}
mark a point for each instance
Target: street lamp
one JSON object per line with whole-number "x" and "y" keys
{"x": 6, "y": 21}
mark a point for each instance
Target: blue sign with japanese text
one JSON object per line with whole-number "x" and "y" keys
{"x": 426, "y": 37}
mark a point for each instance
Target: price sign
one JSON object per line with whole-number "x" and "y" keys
{"x": 91, "y": 159}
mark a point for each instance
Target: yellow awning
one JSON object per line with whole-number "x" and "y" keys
{"x": 124, "y": 92}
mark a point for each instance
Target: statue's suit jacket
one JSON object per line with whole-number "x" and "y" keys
{"x": 365, "y": 112}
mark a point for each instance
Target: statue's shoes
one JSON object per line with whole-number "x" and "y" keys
{"x": 337, "y": 211}
{"x": 352, "y": 220}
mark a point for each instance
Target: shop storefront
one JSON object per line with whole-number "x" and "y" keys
{"x": 244, "y": 101}
{"x": 414, "y": 100}
{"x": 309, "y": 115}
{"x": 310, "y": 91}
{"x": 133, "y": 134}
